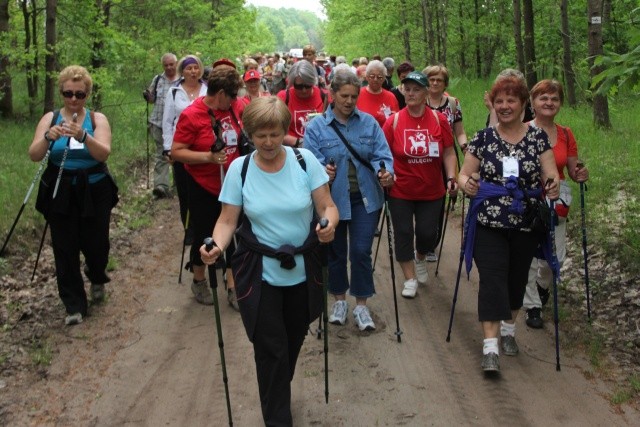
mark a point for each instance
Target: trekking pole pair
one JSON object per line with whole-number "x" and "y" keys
{"x": 55, "y": 193}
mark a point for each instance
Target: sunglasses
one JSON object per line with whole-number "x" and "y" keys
{"x": 70, "y": 94}
{"x": 301, "y": 86}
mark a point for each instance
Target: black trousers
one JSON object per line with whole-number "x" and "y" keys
{"x": 282, "y": 324}
{"x": 180, "y": 179}
{"x": 503, "y": 257}
{"x": 70, "y": 234}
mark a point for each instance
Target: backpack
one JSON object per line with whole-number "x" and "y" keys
{"x": 247, "y": 158}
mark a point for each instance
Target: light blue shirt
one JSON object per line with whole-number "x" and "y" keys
{"x": 366, "y": 137}
{"x": 279, "y": 206}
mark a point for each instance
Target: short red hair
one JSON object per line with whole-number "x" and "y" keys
{"x": 510, "y": 86}
{"x": 548, "y": 86}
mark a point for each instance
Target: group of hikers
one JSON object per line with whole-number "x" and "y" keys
{"x": 277, "y": 162}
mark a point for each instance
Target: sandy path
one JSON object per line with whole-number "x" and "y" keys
{"x": 150, "y": 357}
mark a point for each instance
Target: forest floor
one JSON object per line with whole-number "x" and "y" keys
{"x": 149, "y": 355}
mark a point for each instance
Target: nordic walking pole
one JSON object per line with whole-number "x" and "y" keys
{"x": 332, "y": 163}
{"x": 465, "y": 223}
{"x": 391, "y": 266}
{"x": 375, "y": 258}
{"x": 184, "y": 245}
{"x": 554, "y": 268}
{"x": 64, "y": 158}
{"x": 209, "y": 244}
{"x": 583, "y": 188}
{"x": 325, "y": 280}
{"x": 444, "y": 230}
{"x": 148, "y": 131}
{"x": 26, "y": 198}
{"x": 44, "y": 233}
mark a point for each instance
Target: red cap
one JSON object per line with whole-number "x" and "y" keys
{"x": 224, "y": 61}
{"x": 251, "y": 75}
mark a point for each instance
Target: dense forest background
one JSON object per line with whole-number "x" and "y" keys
{"x": 122, "y": 40}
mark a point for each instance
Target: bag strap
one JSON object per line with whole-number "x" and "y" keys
{"x": 353, "y": 152}
{"x": 247, "y": 158}
{"x": 452, "y": 104}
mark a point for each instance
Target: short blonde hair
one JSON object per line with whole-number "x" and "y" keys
{"x": 198, "y": 61}
{"x": 250, "y": 64}
{"x": 433, "y": 70}
{"x": 265, "y": 113}
{"x": 75, "y": 73}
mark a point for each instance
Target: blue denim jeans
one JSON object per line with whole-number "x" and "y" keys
{"x": 360, "y": 230}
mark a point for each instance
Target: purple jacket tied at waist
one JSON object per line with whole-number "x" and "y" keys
{"x": 487, "y": 190}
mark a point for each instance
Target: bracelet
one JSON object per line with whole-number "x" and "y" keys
{"x": 84, "y": 137}
{"x": 46, "y": 137}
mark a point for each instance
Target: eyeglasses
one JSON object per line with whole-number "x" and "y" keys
{"x": 435, "y": 80}
{"x": 373, "y": 77}
{"x": 301, "y": 86}
{"x": 70, "y": 94}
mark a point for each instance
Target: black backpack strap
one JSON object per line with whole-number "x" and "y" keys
{"x": 247, "y": 158}
{"x": 54, "y": 119}
{"x": 155, "y": 86}
{"x": 300, "y": 159}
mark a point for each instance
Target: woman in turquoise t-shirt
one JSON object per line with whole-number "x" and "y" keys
{"x": 276, "y": 265}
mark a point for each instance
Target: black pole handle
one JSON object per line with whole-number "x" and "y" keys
{"x": 332, "y": 162}
{"x": 209, "y": 243}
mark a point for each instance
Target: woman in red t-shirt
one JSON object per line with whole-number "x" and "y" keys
{"x": 373, "y": 99}
{"x": 422, "y": 145}
{"x": 547, "y": 97}
{"x": 206, "y": 141}
{"x": 303, "y": 98}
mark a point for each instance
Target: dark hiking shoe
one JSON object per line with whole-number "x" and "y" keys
{"x": 509, "y": 345}
{"x": 544, "y": 294}
{"x": 97, "y": 292}
{"x": 490, "y": 363}
{"x": 161, "y": 193}
{"x": 233, "y": 299}
{"x": 533, "y": 318}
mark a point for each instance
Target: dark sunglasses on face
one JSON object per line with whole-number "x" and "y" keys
{"x": 300, "y": 86}
{"x": 70, "y": 94}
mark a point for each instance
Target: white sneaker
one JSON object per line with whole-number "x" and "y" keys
{"x": 363, "y": 318}
{"x": 73, "y": 319}
{"x": 202, "y": 291}
{"x": 339, "y": 312}
{"x": 431, "y": 257}
{"x": 421, "y": 270}
{"x": 410, "y": 288}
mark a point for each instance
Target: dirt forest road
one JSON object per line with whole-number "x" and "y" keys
{"x": 150, "y": 357}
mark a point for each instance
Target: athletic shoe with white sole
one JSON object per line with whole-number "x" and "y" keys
{"x": 339, "y": 312}
{"x": 431, "y": 257}
{"x": 410, "y": 288}
{"x": 509, "y": 345}
{"x": 490, "y": 363}
{"x": 421, "y": 270}
{"x": 363, "y": 318}
{"x": 73, "y": 319}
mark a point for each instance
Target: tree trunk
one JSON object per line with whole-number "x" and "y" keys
{"x": 50, "y": 55}
{"x": 6, "y": 92}
{"x": 431, "y": 49}
{"x": 443, "y": 11}
{"x": 517, "y": 33}
{"x": 425, "y": 37}
{"x": 600, "y": 103}
{"x": 569, "y": 74}
{"x": 29, "y": 68}
{"x": 463, "y": 39}
{"x": 405, "y": 30}
{"x": 476, "y": 11}
{"x": 529, "y": 44}
{"x": 97, "y": 61}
